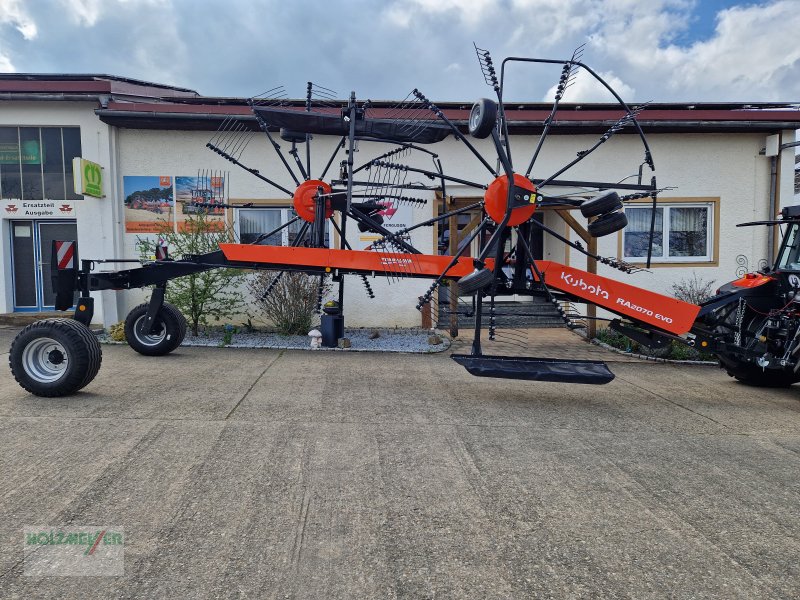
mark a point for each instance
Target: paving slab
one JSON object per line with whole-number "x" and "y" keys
{"x": 290, "y": 474}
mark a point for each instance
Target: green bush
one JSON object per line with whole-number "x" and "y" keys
{"x": 674, "y": 351}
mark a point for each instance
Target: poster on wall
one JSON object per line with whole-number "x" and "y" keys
{"x": 396, "y": 216}
{"x": 200, "y": 195}
{"x": 148, "y": 203}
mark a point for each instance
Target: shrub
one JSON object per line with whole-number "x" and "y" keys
{"x": 291, "y": 303}
{"x": 206, "y": 295}
{"x": 693, "y": 289}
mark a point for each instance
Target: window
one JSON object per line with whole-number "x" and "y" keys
{"x": 252, "y": 222}
{"x": 683, "y": 232}
{"x": 36, "y": 162}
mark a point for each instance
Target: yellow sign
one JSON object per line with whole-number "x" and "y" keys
{"x": 88, "y": 177}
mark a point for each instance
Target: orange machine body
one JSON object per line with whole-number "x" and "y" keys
{"x": 355, "y": 261}
{"x": 663, "y": 312}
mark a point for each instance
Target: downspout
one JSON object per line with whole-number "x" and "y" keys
{"x": 773, "y": 187}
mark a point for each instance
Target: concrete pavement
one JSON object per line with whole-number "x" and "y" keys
{"x": 269, "y": 474}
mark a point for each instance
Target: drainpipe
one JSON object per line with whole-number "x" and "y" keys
{"x": 773, "y": 186}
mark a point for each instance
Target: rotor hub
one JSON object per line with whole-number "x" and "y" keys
{"x": 523, "y": 200}
{"x": 304, "y": 199}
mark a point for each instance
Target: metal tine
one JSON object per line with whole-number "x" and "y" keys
{"x": 318, "y": 95}
{"x": 410, "y": 114}
{"x": 487, "y": 68}
{"x": 456, "y": 132}
{"x": 272, "y": 97}
{"x": 616, "y": 127}
{"x": 568, "y": 75}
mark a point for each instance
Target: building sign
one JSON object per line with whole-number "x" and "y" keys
{"x": 88, "y": 177}
{"x": 396, "y": 217}
{"x": 30, "y": 155}
{"x": 148, "y": 203}
{"x": 36, "y": 209}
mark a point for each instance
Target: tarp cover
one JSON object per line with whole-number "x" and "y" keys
{"x": 419, "y": 132}
{"x": 536, "y": 369}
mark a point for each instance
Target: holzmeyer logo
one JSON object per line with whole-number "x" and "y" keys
{"x": 12, "y": 208}
{"x": 65, "y": 208}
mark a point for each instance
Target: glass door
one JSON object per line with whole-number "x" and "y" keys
{"x": 31, "y": 249}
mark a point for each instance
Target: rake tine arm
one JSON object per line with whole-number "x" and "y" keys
{"x": 255, "y": 172}
{"x": 424, "y": 299}
{"x": 430, "y": 222}
{"x": 429, "y": 174}
{"x": 265, "y": 128}
{"x": 338, "y": 147}
{"x": 437, "y": 111}
{"x": 618, "y": 126}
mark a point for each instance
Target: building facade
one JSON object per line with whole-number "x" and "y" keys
{"x": 719, "y": 165}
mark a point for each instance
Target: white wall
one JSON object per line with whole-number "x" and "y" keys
{"x": 98, "y": 227}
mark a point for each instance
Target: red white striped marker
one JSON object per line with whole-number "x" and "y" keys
{"x": 65, "y": 255}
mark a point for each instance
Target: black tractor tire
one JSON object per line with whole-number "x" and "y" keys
{"x": 169, "y": 331}
{"x": 55, "y": 357}
{"x": 607, "y": 224}
{"x": 753, "y": 375}
{"x": 475, "y": 281}
{"x": 482, "y": 118}
{"x": 601, "y": 204}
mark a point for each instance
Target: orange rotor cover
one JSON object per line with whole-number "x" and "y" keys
{"x": 304, "y": 199}
{"x": 496, "y": 200}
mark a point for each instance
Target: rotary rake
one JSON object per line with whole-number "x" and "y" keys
{"x": 502, "y": 261}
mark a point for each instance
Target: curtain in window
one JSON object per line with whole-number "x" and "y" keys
{"x": 253, "y": 223}
{"x": 688, "y": 231}
{"x": 637, "y": 233}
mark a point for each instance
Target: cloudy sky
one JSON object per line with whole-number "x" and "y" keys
{"x": 660, "y": 50}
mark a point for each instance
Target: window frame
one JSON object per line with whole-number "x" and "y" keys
{"x": 712, "y": 227}
{"x": 66, "y": 173}
{"x": 287, "y": 213}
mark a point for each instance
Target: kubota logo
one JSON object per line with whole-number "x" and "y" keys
{"x": 583, "y": 286}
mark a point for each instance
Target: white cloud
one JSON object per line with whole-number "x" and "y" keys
{"x": 585, "y": 88}
{"x": 5, "y": 65}
{"x": 753, "y": 54}
{"x": 88, "y": 12}
{"x": 15, "y": 13}
{"x": 471, "y": 12}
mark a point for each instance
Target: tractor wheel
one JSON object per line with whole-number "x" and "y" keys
{"x": 475, "y": 281}
{"x": 482, "y": 118}
{"x": 169, "y": 331}
{"x": 753, "y": 375}
{"x": 607, "y": 224}
{"x": 601, "y": 204}
{"x": 55, "y": 357}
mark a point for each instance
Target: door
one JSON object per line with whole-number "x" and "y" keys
{"x": 31, "y": 247}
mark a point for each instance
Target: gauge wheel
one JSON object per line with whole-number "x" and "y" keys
{"x": 601, "y": 204}
{"x": 55, "y": 357}
{"x": 482, "y": 118}
{"x": 475, "y": 281}
{"x": 169, "y": 331}
{"x": 607, "y": 224}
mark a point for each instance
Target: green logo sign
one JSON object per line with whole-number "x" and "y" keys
{"x": 88, "y": 177}
{"x": 92, "y": 179}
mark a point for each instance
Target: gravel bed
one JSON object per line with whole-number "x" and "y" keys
{"x": 390, "y": 340}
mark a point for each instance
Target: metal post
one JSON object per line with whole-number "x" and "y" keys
{"x": 453, "y": 249}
